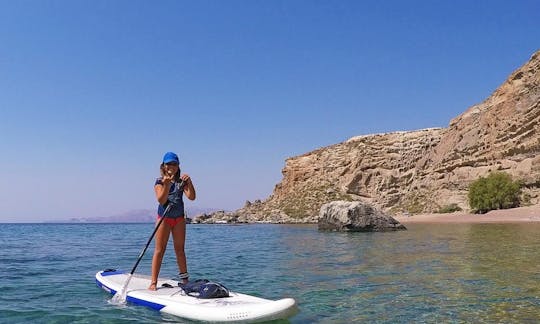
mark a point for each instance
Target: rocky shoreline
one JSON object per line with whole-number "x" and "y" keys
{"x": 241, "y": 217}
{"x": 513, "y": 215}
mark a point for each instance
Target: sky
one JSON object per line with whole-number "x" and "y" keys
{"x": 93, "y": 93}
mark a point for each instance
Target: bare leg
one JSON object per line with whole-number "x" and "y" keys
{"x": 162, "y": 237}
{"x": 179, "y": 239}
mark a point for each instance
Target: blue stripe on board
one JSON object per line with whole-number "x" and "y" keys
{"x": 107, "y": 289}
{"x": 130, "y": 299}
{"x": 146, "y": 303}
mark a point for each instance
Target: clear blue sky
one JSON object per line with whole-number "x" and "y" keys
{"x": 94, "y": 92}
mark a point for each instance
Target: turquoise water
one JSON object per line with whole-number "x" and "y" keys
{"x": 428, "y": 274}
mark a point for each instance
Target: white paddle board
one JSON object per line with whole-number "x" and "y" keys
{"x": 173, "y": 300}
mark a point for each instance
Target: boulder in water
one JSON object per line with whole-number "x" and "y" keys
{"x": 355, "y": 216}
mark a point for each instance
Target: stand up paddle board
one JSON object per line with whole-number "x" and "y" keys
{"x": 170, "y": 298}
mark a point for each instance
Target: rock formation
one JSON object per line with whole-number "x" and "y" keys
{"x": 423, "y": 170}
{"x": 355, "y": 216}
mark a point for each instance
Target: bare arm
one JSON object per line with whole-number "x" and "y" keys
{"x": 162, "y": 190}
{"x": 189, "y": 189}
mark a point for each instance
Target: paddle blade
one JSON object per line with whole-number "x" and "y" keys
{"x": 120, "y": 297}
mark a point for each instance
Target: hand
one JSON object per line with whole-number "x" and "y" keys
{"x": 168, "y": 177}
{"x": 186, "y": 178}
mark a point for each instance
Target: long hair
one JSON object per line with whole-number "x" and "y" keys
{"x": 162, "y": 172}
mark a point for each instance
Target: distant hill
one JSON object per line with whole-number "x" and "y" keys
{"x": 138, "y": 216}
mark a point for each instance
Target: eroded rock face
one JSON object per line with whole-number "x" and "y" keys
{"x": 346, "y": 216}
{"x": 424, "y": 170}
{"x": 378, "y": 169}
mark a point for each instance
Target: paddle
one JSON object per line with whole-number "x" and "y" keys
{"x": 120, "y": 296}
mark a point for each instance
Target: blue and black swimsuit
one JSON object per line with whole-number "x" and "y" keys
{"x": 175, "y": 199}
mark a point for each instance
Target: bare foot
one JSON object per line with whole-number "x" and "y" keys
{"x": 152, "y": 286}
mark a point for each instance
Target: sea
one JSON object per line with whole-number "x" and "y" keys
{"x": 445, "y": 273}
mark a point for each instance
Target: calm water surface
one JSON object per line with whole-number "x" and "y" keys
{"x": 481, "y": 273}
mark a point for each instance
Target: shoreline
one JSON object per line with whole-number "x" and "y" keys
{"x": 513, "y": 215}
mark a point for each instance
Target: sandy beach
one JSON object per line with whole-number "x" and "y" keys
{"x": 514, "y": 215}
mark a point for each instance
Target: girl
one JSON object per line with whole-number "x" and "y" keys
{"x": 170, "y": 188}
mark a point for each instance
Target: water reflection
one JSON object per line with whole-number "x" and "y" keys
{"x": 430, "y": 273}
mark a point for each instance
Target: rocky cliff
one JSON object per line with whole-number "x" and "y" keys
{"x": 418, "y": 171}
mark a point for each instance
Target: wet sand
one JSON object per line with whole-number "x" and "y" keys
{"x": 513, "y": 215}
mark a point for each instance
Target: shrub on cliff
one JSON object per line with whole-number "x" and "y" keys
{"x": 496, "y": 191}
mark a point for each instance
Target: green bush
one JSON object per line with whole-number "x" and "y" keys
{"x": 450, "y": 209}
{"x": 496, "y": 191}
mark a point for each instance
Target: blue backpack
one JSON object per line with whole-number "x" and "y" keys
{"x": 205, "y": 289}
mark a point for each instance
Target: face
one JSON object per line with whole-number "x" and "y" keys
{"x": 171, "y": 167}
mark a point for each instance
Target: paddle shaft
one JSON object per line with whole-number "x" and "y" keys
{"x": 153, "y": 234}
{"x": 150, "y": 239}
{"x": 120, "y": 296}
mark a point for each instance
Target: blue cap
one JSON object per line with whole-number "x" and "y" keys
{"x": 170, "y": 157}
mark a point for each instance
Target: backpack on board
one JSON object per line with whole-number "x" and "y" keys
{"x": 204, "y": 289}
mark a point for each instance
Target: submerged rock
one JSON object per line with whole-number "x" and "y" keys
{"x": 355, "y": 216}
